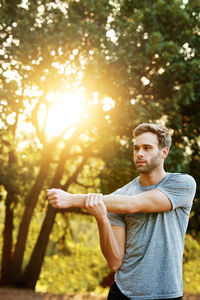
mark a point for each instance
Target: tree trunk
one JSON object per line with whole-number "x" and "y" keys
{"x": 8, "y": 229}
{"x": 33, "y": 269}
{"x": 7, "y": 243}
{"x": 17, "y": 278}
{"x": 34, "y": 266}
{"x": 26, "y": 219}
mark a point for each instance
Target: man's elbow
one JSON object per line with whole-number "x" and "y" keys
{"x": 114, "y": 266}
{"x": 134, "y": 206}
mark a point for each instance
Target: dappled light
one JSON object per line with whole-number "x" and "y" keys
{"x": 76, "y": 77}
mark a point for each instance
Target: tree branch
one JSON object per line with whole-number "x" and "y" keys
{"x": 83, "y": 185}
{"x": 74, "y": 175}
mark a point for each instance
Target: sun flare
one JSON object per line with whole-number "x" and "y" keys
{"x": 66, "y": 110}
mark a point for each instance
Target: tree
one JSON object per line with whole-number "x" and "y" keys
{"x": 132, "y": 61}
{"x": 154, "y": 63}
{"x": 35, "y": 52}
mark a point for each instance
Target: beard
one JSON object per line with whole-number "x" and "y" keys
{"x": 150, "y": 166}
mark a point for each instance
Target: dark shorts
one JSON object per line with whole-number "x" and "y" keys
{"x": 116, "y": 294}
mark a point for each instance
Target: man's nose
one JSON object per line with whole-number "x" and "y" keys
{"x": 140, "y": 153}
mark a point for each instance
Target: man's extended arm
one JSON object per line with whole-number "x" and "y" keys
{"x": 150, "y": 201}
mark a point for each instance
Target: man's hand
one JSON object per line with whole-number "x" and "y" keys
{"x": 95, "y": 206}
{"x": 59, "y": 198}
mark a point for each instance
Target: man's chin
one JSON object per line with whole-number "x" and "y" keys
{"x": 142, "y": 170}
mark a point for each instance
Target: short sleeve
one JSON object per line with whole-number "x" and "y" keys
{"x": 117, "y": 220}
{"x": 180, "y": 189}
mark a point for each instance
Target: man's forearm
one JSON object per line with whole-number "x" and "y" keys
{"x": 121, "y": 204}
{"x": 114, "y": 203}
{"x": 113, "y": 252}
{"x": 112, "y": 238}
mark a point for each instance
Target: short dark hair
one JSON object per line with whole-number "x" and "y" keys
{"x": 164, "y": 138}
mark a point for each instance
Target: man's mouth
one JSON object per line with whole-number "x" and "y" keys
{"x": 140, "y": 162}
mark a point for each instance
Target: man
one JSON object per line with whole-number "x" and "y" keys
{"x": 142, "y": 236}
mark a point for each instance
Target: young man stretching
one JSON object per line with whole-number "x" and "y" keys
{"x": 142, "y": 235}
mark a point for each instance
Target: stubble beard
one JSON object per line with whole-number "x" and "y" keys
{"x": 151, "y": 166}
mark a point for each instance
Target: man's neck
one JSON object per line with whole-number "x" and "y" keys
{"x": 152, "y": 178}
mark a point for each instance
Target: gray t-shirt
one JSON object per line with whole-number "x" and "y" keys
{"x": 152, "y": 266}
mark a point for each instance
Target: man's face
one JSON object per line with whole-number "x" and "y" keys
{"x": 147, "y": 155}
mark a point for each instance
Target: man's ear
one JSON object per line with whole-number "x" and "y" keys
{"x": 165, "y": 152}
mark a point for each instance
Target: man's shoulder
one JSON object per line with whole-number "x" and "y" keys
{"x": 131, "y": 183}
{"x": 126, "y": 188}
{"x": 180, "y": 178}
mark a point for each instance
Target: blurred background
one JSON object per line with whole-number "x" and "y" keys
{"x": 76, "y": 77}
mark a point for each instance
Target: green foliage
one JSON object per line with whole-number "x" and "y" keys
{"x": 192, "y": 249}
{"x": 82, "y": 271}
{"x": 191, "y": 266}
{"x": 191, "y": 276}
{"x": 1, "y": 240}
{"x": 118, "y": 170}
{"x": 74, "y": 261}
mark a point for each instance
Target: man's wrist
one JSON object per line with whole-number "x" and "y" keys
{"x": 101, "y": 220}
{"x": 77, "y": 200}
